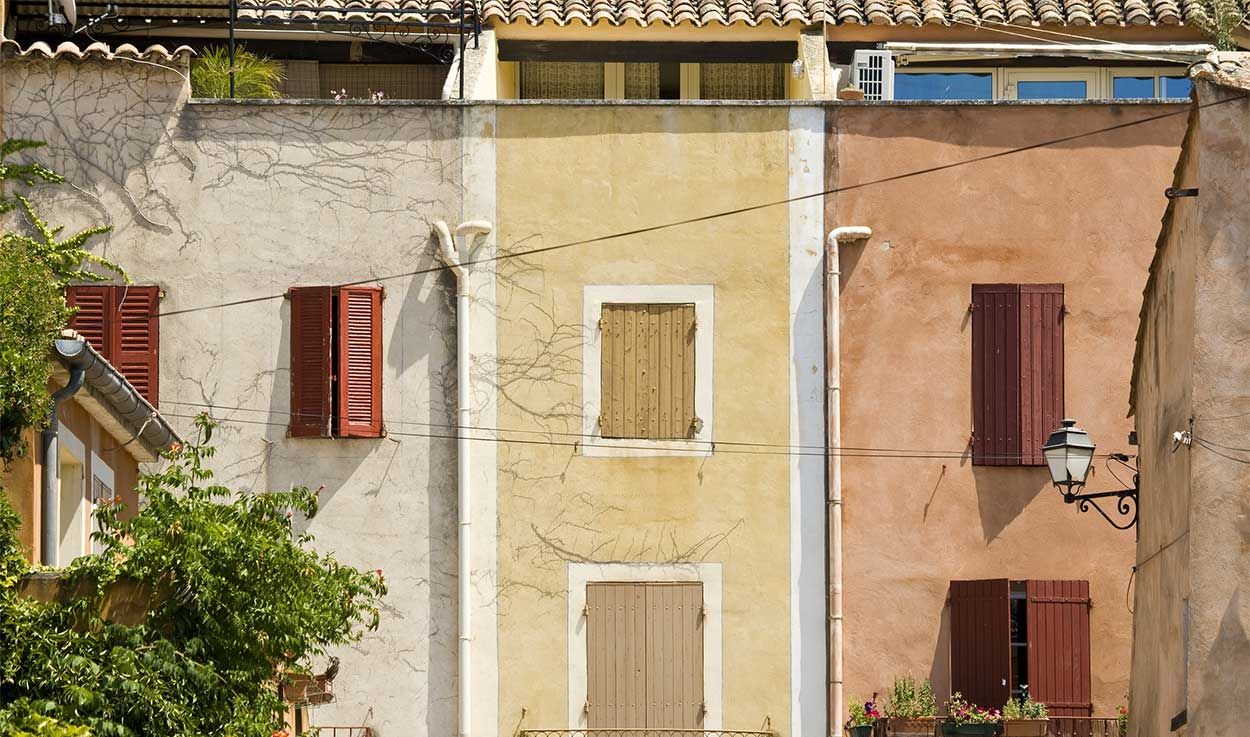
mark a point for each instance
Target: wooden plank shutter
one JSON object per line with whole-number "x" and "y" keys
{"x": 121, "y": 323}
{"x": 1058, "y": 629}
{"x": 675, "y": 655}
{"x": 359, "y": 374}
{"x": 981, "y": 641}
{"x": 996, "y": 374}
{"x": 1041, "y": 367}
{"x": 94, "y": 305}
{"x": 616, "y": 643}
{"x": 644, "y": 649}
{"x": 647, "y": 371}
{"x": 135, "y": 338}
{"x": 311, "y": 316}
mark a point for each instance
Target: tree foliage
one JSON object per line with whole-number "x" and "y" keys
{"x": 1221, "y": 20}
{"x": 240, "y": 598}
{"x": 35, "y": 265}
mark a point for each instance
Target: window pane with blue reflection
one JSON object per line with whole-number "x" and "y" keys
{"x": 943, "y": 86}
{"x": 1174, "y": 87}
{"x": 1051, "y": 90}
{"x": 1132, "y": 87}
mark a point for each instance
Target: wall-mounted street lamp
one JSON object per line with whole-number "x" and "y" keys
{"x": 1069, "y": 453}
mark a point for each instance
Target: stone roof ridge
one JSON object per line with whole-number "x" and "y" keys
{"x": 1226, "y": 68}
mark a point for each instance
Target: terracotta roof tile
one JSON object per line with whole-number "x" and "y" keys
{"x": 97, "y": 50}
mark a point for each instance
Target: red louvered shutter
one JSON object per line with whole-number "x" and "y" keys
{"x": 1041, "y": 367}
{"x": 996, "y": 374}
{"x": 981, "y": 641}
{"x": 311, "y": 316}
{"x": 94, "y": 305}
{"x": 359, "y": 362}
{"x": 135, "y": 338}
{"x": 1058, "y": 629}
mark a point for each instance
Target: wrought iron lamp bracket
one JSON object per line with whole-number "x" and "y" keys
{"x": 1125, "y": 507}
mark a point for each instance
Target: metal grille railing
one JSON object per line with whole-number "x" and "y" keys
{"x": 644, "y": 732}
{"x": 1055, "y": 727}
{"x": 332, "y": 731}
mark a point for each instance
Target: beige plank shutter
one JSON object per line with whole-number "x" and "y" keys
{"x": 647, "y": 362}
{"x": 644, "y": 647}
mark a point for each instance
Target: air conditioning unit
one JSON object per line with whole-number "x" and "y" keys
{"x": 873, "y": 72}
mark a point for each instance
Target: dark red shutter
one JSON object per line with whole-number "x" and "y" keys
{"x": 1041, "y": 367}
{"x": 1058, "y": 629}
{"x": 94, "y": 305}
{"x": 311, "y": 315}
{"x": 121, "y": 323}
{"x": 359, "y": 362}
{"x": 996, "y": 374}
{"x": 135, "y": 338}
{"x": 981, "y": 641}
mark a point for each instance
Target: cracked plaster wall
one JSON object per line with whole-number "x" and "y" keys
{"x": 222, "y": 203}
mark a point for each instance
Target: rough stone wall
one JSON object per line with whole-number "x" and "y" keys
{"x": 1219, "y": 511}
{"x": 1163, "y": 405}
{"x": 225, "y": 207}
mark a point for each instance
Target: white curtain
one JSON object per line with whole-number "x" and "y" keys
{"x": 742, "y": 81}
{"x": 561, "y": 80}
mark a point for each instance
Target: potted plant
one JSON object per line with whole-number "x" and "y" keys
{"x": 864, "y": 717}
{"x": 963, "y": 718}
{"x": 1024, "y": 717}
{"x": 912, "y": 711}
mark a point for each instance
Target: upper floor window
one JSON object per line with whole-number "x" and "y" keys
{"x": 336, "y": 362}
{"x": 647, "y": 369}
{"x": 121, "y": 323}
{"x": 585, "y": 80}
{"x": 1017, "y": 371}
{"x": 933, "y": 82}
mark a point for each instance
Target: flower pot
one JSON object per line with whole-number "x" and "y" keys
{"x": 969, "y": 730}
{"x": 1024, "y": 728}
{"x": 911, "y": 726}
{"x": 863, "y": 730}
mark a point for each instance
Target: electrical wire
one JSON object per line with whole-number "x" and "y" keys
{"x": 579, "y": 439}
{"x": 735, "y": 211}
{"x": 1126, "y": 54}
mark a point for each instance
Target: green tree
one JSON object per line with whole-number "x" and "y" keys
{"x": 35, "y": 265}
{"x": 240, "y": 598}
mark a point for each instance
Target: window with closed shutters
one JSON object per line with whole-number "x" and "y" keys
{"x": 121, "y": 323}
{"x": 335, "y": 362}
{"x": 644, "y": 646}
{"x": 1006, "y": 635}
{"x": 647, "y": 371}
{"x": 1017, "y": 371}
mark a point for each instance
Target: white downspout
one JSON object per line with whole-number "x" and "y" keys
{"x": 833, "y": 434}
{"x": 455, "y": 259}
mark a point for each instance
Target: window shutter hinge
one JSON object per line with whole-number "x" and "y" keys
{"x": 603, "y": 421}
{"x": 585, "y": 610}
{"x": 972, "y": 306}
{"x": 696, "y": 425}
{"x": 603, "y": 323}
{"x": 586, "y": 707}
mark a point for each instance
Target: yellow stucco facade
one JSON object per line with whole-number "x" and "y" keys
{"x": 568, "y": 173}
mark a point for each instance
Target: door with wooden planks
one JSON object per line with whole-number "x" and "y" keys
{"x": 644, "y": 645}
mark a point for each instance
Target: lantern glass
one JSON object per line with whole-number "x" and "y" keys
{"x": 1069, "y": 453}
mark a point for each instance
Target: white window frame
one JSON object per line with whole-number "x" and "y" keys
{"x": 68, "y": 442}
{"x": 994, "y": 72}
{"x": 593, "y": 298}
{"x": 709, "y": 574}
{"x": 1091, "y": 76}
{"x": 1156, "y": 73}
{"x": 99, "y": 470}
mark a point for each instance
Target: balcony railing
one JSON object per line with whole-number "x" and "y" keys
{"x": 343, "y": 731}
{"x": 1055, "y": 727}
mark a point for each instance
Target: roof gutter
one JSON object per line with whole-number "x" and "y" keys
{"x": 1178, "y": 53}
{"x": 106, "y": 384}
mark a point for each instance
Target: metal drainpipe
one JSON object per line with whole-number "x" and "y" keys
{"x": 49, "y": 507}
{"x": 833, "y": 435}
{"x": 453, "y": 258}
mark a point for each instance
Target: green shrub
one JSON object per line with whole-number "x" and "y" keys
{"x": 255, "y": 77}
{"x": 910, "y": 701}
